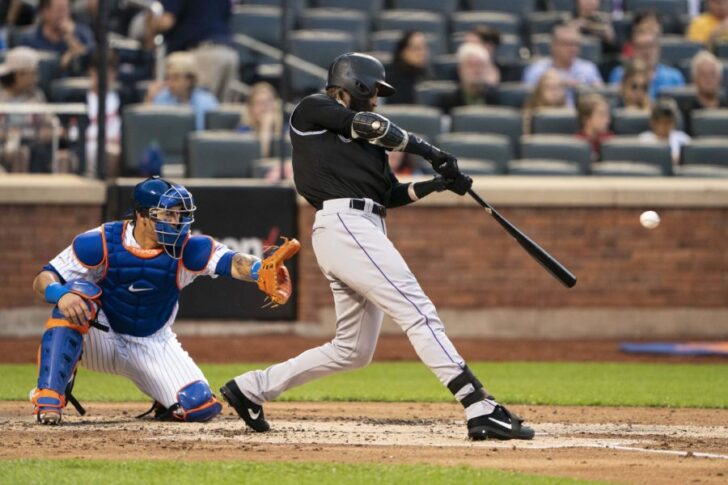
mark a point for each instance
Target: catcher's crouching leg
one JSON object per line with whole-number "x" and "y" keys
{"x": 195, "y": 403}
{"x": 59, "y": 353}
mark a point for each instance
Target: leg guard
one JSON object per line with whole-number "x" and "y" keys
{"x": 195, "y": 402}
{"x": 458, "y": 387}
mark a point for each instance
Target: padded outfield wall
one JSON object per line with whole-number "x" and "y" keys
{"x": 668, "y": 282}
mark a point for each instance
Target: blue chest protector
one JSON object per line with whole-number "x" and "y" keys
{"x": 139, "y": 294}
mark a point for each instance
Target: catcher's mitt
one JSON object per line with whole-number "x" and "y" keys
{"x": 273, "y": 277}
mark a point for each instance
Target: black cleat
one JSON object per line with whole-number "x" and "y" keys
{"x": 501, "y": 424}
{"x": 251, "y": 413}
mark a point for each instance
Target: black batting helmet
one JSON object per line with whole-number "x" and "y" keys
{"x": 361, "y": 75}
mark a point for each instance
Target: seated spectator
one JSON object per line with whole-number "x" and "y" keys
{"x": 478, "y": 78}
{"x": 633, "y": 90}
{"x": 663, "y": 123}
{"x": 594, "y": 120}
{"x": 489, "y": 38}
{"x": 595, "y": 23}
{"x": 712, "y": 26}
{"x": 565, "y": 48}
{"x": 707, "y": 75}
{"x": 114, "y": 103}
{"x": 203, "y": 28}
{"x": 410, "y": 65}
{"x": 647, "y": 50}
{"x": 262, "y": 116}
{"x": 550, "y": 92}
{"x": 25, "y": 138}
{"x": 180, "y": 88}
{"x": 647, "y": 19}
{"x": 57, "y": 32}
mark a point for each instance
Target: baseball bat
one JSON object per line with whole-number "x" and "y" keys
{"x": 538, "y": 253}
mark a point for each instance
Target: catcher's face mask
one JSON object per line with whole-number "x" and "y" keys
{"x": 173, "y": 218}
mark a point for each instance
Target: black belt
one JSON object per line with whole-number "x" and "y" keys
{"x": 360, "y": 204}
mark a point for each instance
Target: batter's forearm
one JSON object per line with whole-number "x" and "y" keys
{"x": 404, "y": 194}
{"x": 241, "y": 267}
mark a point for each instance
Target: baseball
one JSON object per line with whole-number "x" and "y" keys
{"x": 650, "y": 219}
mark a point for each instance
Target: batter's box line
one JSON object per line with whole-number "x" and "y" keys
{"x": 683, "y": 454}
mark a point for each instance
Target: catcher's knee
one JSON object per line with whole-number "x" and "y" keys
{"x": 196, "y": 402}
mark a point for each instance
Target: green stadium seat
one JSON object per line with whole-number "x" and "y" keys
{"x": 568, "y": 149}
{"x": 498, "y": 120}
{"x": 474, "y": 146}
{"x": 645, "y": 157}
{"x": 215, "y": 154}
{"x": 422, "y": 120}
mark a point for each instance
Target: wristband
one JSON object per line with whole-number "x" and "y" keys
{"x": 254, "y": 268}
{"x": 55, "y": 292}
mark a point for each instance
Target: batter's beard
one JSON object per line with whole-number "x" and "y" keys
{"x": 361, "y": 104}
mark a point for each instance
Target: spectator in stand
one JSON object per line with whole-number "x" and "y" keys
{"x": 594, "y": 120}
{"x": 410, "y": 65}
{"x": 647, "y": 50}
{"x": 550, "y": 92}
{"x": 262, "y": 116}
{"x": 489, "y": 38}
{"x": 595, "y": 23}
{"x": 204, "y": 29}
{"x": 180, "y": 88}
{"x": 565, "y": 47}
{"x": 478, "y": 78}
{"x": 57, "y": 32}
{"x": 707, "y": 75}
{"x": 663, "y": 124}
{"x": 633, "y": 90}
{"x": 712, "y": 26}
{"x": 647, "y": 19}
{"x": 25, "y": 138}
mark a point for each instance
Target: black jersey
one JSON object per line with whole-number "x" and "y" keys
{"x": 327, "y": 163}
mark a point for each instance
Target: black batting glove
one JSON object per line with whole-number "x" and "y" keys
{"x": 444, "y": 163}
{"x": 460, "y": 184}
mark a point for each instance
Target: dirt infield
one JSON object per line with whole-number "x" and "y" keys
{"x": 633, "y": 445}
{"x": 277, "y": 347}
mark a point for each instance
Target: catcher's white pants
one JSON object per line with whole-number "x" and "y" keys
{"x": 368, "y": 277}
{"x": 157, "y": 364}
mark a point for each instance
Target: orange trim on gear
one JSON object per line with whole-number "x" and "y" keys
{"x": 213, "y": 400}
{"x": 57, "y": 322}
{"x": 38, "y": 393}
{"x": 139, "y": 252}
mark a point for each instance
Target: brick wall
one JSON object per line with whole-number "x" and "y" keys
{"x": 30, "y": 235}
{"x": 464, "y": 260}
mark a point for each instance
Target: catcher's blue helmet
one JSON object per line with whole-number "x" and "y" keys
{"x": 172, "y": 209}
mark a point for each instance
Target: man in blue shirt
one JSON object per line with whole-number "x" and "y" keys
{"x": 57, "y": 32}
{"x": 647, "y": 49}
{"x": 204, "y": 29}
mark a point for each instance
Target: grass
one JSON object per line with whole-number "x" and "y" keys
{"x": 180, "y": 473}
{"x": 588, "y": 384}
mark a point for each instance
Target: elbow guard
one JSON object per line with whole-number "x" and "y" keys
{"x": 378, "y": 130}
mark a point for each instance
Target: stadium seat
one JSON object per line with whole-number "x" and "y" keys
{"x": 627, "y": 168}
{"x": 517, "y": 7}
{"x": 721, "y": 49}
{"x": 631, "y": 149}
{"x": 591, "y": 47}
{"x": 509, "y": 48}
{"x": 701, "y": 171}
{"x": 544, "y": 22}
{"x": 423, "y": 120}
{"x": 438, "y": 6}
{"x": 259, "y": 22}
{"x": 622, "y": 27}
{"x": 710, "y": 122}
{"x": 676, "y": 48}
{"x": 474, "y": 146}
{"x": 355, "y": 22}
{"x": 570, "y": 149}
{"x": 370, "y": 6}
{"x": 610, "y": 91}
{"x": 406, "y": 20}
{"x": 69, "y": 89}
{"x": 225, "y": 117}
{"x": 445, "y": 67}
{"x": 706, "y": 151}
{"x": 555, "y": 121}
{"x": 477, "y": 167}
{"x": 144, "y": 124}
{"x": 505, "y": 23}
{"x": 683, "y": 95}
{"x": 431, "y": 93}
{"x": 213, "y": 154}
{"x": 48, "y": 70}
{"x": 630, "y": 122}
{"x": 513, "y": 94}
{"x": 543, "y": 166}
{"x": 318, "y": 47}
{"x": 673, "y": 8}
{"x": 295, "y": 5}
{"x": 385, "y": 40}
{"x": 488, "y": 119}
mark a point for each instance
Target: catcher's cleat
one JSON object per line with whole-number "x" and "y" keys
{"x": 500, "y": 424}
{"x": 251, "y": 413}
{"x": 48, "y": 406}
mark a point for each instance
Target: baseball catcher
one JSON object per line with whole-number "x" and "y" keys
{"x": 115, "y": 293}
{"x": 340, "y": 148}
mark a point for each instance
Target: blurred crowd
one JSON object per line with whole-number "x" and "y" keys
{"x": 45, "y": 41}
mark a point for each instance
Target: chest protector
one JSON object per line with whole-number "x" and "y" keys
{"x": 139, "y": 291}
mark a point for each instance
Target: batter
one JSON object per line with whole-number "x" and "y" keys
{"x": 340, "y": 167}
